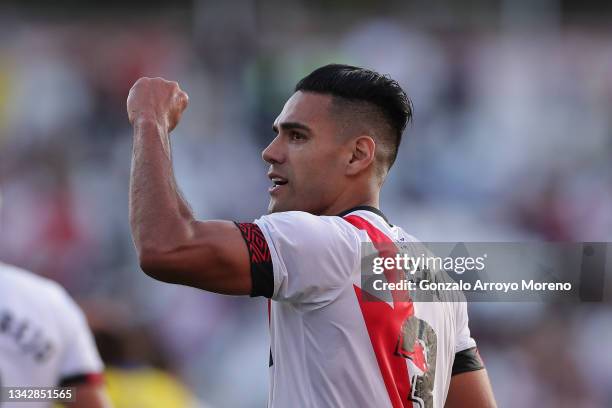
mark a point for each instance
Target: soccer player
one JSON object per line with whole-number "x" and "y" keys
{"x": 45, "y": 341}
{"x": 335, "y": 141}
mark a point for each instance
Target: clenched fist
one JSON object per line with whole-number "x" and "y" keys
{"x": 158, "y": 100}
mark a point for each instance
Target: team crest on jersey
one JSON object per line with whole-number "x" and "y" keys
{"x": 418, "y": 343}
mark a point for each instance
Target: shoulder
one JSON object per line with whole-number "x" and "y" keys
{"x": 306, "y": 225}
{"x": 18, "y": 279}
{"x": 36, "y": 289}
{"x": 312, "y": 237}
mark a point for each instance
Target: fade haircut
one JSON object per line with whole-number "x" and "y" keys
{"x": 375, "y": 103}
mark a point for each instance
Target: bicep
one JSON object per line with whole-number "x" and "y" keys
{"x": 470, "y": 389}
{"x": 214, "y": 258}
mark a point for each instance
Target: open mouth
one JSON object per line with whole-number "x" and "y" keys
{"x": 277, "y": 183}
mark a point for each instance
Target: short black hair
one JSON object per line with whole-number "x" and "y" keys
{"x": 354, "y": 84}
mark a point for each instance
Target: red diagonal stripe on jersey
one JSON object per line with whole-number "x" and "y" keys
{"x": 384, "y": 323}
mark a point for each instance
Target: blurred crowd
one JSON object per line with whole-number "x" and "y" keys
{"x": 511, "y": 141}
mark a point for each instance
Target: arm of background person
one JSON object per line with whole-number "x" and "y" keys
{"x": 172, "y": 246}
{"x": 470, "y": 389}
{"x": 81, "y": 367}
{"x": 90, "y": 396}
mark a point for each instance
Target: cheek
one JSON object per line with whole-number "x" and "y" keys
{"x": 317, "y": 173}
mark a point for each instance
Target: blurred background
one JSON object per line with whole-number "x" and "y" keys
{"x": 511, "y": 141}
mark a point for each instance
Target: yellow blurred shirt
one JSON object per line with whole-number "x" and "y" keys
{"x": 146, "y": 388}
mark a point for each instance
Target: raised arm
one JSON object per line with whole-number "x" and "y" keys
{"x": 172, "y": 246}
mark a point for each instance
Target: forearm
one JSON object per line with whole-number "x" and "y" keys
{"x": 172, "y": 246}
{"x": 158, "y": 214}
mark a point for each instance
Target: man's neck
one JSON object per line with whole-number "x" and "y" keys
{"x": 342, "y": 205}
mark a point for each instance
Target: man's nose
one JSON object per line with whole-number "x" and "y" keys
{"x": 274, "y": 154}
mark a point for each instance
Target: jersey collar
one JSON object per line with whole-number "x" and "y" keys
{"x": 365, "y": 208}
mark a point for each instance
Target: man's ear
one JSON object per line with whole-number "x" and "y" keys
{"x": 364, "y": 149}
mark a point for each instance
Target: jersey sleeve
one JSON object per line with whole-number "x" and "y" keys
{"x": 463, "y": 338}
{"x": 80, "y": 361}
{"x": 467, "y": 357}
{"x": 300, "y": 257}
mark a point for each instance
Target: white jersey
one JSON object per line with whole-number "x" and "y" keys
{"x": 44, "y": 337}
{"x": 329, "y": 348}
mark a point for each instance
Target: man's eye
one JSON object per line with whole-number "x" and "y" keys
{"x": 297, "y": 136}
